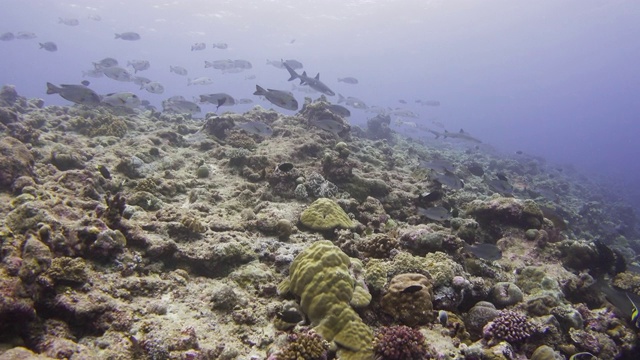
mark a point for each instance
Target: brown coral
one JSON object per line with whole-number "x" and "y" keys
{"x": 409, "y": 299}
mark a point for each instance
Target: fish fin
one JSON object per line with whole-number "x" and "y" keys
{"x": 317, "y": 76}
{"x": 292, "y": 72}
{"x": 259, "y": 90}
{"x": 117, "y": 36}
{"x": 52, "y": 89}
{"x": 341, "y": 98}
{"x": 462, "y": 131}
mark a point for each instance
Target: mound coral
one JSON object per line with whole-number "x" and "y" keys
{"x": 325, "y": 214}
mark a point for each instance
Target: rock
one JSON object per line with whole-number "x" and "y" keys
{"x": 408, "y": 299}
{"x": 15, "y": 161}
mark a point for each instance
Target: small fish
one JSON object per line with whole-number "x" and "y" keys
{"x": 245, "y": 101}
{"x": 340, "y": 110}
{"x": 412, "y": 289}
{"x": 519, "y": 152}
{"x": 348, "y": 80}
{"x": 404, "y": 113}
{"x": 104, "y": 171}
{"x": 8, "y": 36}
{"x": 69, "y": 21}
{"x": 283, "y": 99}
{"x": 49, "y": 46}
{"x": 118, "y": 73}
{"x": 285, "y": 167}
{"x": 198, "y": 46}
{"x": 242, "y": 64}
{"x": 220, "y": 46}
{"x": 94, "y": 73}
{"x": 105, "y": 63}
{"x": 219, "y": 64}
{"x": 312, "y": 82}
{"x": 402, "y": 101}
{"x": 250, "y": 77}
{"x": 122, "y": 99}
{"x": 438, "y": 165}
{"x": 140, "y": 80}
{"x": 180, "y": 106}
{"x": 154, "y": 87}
{"x": 85, "y": 82}
{"x": 25, "y": 35}
{"x": 583, "y": 356}
{"x": 502, "y": 176}
{"x": 178, "y": 70}
{"x": 256, "y": 128}
{"x": 500, "y": 186}
{"x": 437, "y": 213}
{"x": 352, "y": 101}
{"x": 443, "y": 318}
{"x": 294, "y": 64}
{"x": 200, "y": 81}
{"x": 95, "y": 17}
{"x": 430, "y": 196}
{"x": 290, "y": 316}
{"x": 129, "y": 36}
{"x": 634, "y": 313}
{"x": 475, "y": 169}
{"x": 485, "y": 251}
{"x": 429, "y": 102}
{"x": 329, "y": 125}
{"x": 139, "y": 65}
{"x": 460, "y": 135}
{"x": 78, "y": 94}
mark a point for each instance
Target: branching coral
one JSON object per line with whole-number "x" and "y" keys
{"x": 400, "y": 343}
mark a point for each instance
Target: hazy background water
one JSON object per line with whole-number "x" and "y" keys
{"x": 557, "y": 79}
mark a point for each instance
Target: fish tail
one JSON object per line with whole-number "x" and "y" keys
{"x": 117, "y": 36}
{"x": 259, "y": 90}
{"x": 52, "y": 89}
{"x": 292, "y": 72}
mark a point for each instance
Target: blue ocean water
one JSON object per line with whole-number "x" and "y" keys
{"x": 555, "y": 79}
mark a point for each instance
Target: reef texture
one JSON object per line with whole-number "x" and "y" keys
{"x": 144, "y": 235}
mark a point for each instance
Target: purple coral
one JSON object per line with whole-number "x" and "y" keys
{"x": 400, "y": 343}
{"x": 510, "y": 326}
{"x": 307, "y": 345}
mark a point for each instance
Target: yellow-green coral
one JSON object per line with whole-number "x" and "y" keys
{"x": 320, "y": 277}
{"x": 325, "y": 214}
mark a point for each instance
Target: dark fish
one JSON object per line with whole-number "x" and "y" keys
{"x": 105, "y": 63}
{"x": 85, "y": 82}
{"x": 519, "y": 152}
{"x": 443, "y": 317}
{"x": 485, "y": 251}
{"x": 502, "y": 176}
{"x": 412, "y": 289}
{"x": 227, "y": 99}
{"x": 8, "y": 36}
{"x": 438, "y": 165}
{"x": 49, "y": 46}
{"x": 430, "y": 196}
{"x": 256, "y": 128}
{"x": 283, "y": 99}
{"x": 313, "y": 83}
{"x": 500, "y": 186}
{"x": 329, "y": 125}
{"x": 104, "y": 171}
{"x": 290, "y": 316}
{"x": 450, "y": 180}
{"x": 460, "y": 135}
{"x": 78, "y": 94}
{"x": 340, "y": 110}
{"x": 402, "y": 101}
{"x": 285, "y": 167}
{"x": 475, "y": 169}
{"x": 130, "y": 36}
{"x": 69, "y": 21}
{"x": 348, "y": 80}
{"x": 437, "y": 213}
{"x": 25, "y": 35}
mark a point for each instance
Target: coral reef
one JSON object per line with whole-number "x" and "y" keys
{"x": 325, "y": 214}
{"x": 401, "y": 342}
{"x": 408, "y": 299}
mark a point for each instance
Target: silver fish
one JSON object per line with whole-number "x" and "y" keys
{"x": 129, "y": 36}
{"x": 450, "y": 180}
{"x": 329, "y": 125}
{"x": 122, "y": 99}
{"x": 8, "y": 36}
{"x": 220, "y": 46}
{"x": 215, "y": 98}
{"x": 105, "y": 63}
{"x": 154, "y": 87}
{"x": 178, "y": 70}
{"x": 219, "y": 64}
{"x": 348, "y": 80}
{"x": 49, "y": 46}
{"x": 118, "y": 73}
{"x": 198, "y": 46}
{"x": 256, "y": 128}
{"x": 245, "y": 101}
{"x": 25, "y": 35}
{"x": 94, "y": 73}
{"x": 139, "y": 65}
{"x": 352, "y": 101}
{"x": 200, "y": 81}
{"x": 294, "y": 64}
{"x": 460, "y": 135}
{"x": 437, "y": 213}
{"x": 242, "y": 64}
{"x": 95, "y": 17}
{"x": 303, "y": 89}
{"x": 313, "y": 83}
{"x": 78, "y": 94}
{"x": 69, "y": 21}
{"x": 140, "y": 80}
{"x": 404, "y": 113}
{"x": 180, "y": 106}
{"x": 340, "y": 110}
{"x": 283, "y": 99}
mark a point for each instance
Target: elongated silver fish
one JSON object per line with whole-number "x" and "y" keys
{"x": 313, "y": 83}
